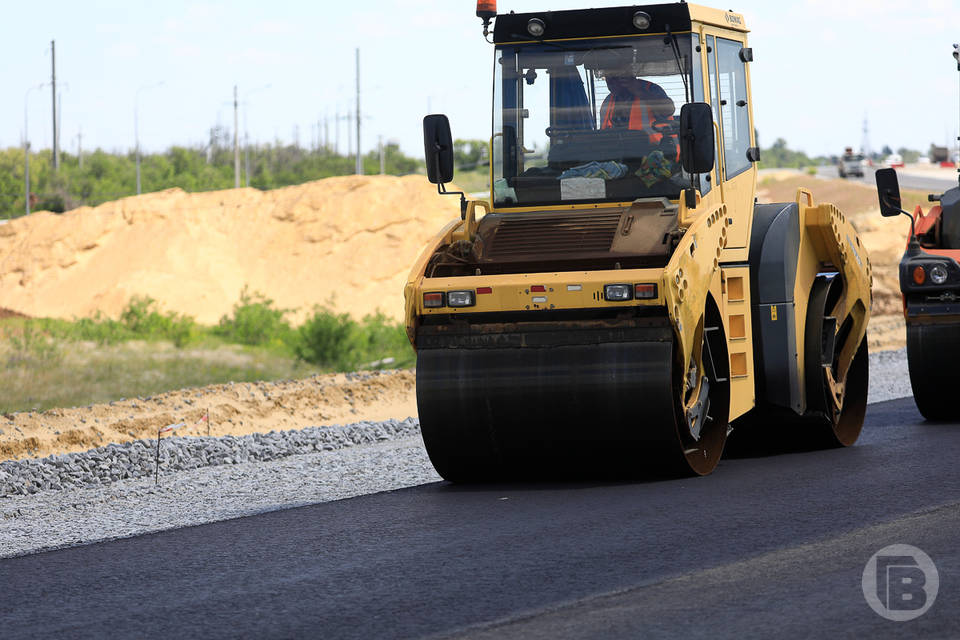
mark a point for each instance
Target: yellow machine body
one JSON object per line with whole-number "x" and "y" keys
{"x": 713, "y": 265}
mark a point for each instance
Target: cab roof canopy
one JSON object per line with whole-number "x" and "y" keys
{"x": 612, "y": 21}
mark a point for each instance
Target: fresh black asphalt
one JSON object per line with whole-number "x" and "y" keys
{"x": 765, "y": 546}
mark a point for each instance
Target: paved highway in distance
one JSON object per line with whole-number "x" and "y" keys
{"x": 931, "y": 182}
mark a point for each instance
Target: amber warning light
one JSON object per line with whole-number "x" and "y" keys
{"x": 486, "y": 9}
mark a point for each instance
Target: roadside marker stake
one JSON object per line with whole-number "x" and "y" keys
{"x": 160, "y": 431}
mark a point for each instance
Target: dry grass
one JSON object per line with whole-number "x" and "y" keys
{"x": 42, "y": 374}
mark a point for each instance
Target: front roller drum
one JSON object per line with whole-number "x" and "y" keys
{"x": 933, "y": 358}
{"x": 608, "y": 410}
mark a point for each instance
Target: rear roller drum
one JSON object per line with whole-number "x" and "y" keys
{"x": 836, "y": 400}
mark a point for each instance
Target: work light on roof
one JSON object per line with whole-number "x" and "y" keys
{"x": 536, "y": 27}
{"x": 641, "y": 20}
{"x": 486, "y": 8}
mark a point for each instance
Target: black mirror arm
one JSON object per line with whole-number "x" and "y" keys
{"x": 914, "y": 243}
{"x": 442, "y": 190}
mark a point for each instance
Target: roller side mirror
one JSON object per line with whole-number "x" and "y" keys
{"x": 696, "y": 137}
{"x": 888, "y": 190}
{"x": 438, "y": 148}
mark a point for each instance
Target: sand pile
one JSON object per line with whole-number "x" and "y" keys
{"x": 351, "y": 239}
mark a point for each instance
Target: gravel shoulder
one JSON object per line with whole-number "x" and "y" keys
{"x": 233, "y": 477}
{"x": 56, "y": 519}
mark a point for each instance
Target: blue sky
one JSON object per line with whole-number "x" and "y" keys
{"x": 820, "y": 66}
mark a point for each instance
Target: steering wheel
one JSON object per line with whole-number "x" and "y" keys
{"x": 670, "y": 128}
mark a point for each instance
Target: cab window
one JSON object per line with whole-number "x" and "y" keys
{"x": 734, "y": 112}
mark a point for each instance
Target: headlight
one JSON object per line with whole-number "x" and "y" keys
{"x": 536, "y": 27}
{"x": 938, "y": 274}
{"x": 461, "y": 299}
{"x": 618, "y": 292}
{"x": 641, "y": 20}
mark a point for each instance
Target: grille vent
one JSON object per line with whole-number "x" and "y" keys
{"x": 529, "y": 236}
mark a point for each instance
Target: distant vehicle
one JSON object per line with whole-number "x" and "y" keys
{"x": 851, "y": 164}
{"x": 894, "y": 160}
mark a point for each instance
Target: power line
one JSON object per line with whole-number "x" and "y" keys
{"x": 359, "y": 154}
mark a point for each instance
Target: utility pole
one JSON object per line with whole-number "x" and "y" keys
{"x": 26, "y": 171}
{"x": 349, "y": 117}
{"x": 865, "y": 141}
{"x": 359, "y": 154}
{"x": 380, "y": 147}
{"x": 80, "y": 147}
{"x": 236, "y": 140}
{"x": 53, "y": 95}
{"x": 246, "y": 156}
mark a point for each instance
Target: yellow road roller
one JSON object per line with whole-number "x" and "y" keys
{"x": 623, "y": 304}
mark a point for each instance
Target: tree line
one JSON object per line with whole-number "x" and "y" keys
{"x": 100, "y": 176}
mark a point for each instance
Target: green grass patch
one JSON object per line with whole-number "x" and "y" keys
{"x": 49, "y": 362}
{"x": 83, "y": 373}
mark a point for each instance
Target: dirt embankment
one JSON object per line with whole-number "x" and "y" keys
{"x": 348, "y": 239}
{"x": 235, "y": 409}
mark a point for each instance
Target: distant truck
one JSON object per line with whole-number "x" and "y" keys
{"x": 851, "y": 164}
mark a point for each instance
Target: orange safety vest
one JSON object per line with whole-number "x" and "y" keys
{"x": 640, "y": 118}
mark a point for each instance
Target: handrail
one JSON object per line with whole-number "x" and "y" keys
{"x": 720, "y": 155}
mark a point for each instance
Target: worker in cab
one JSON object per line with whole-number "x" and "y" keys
{"x": 640, "y": 105}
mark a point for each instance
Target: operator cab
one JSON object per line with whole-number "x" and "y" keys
{"x": 586, "y": 104}
{"x": 562, "y": 133}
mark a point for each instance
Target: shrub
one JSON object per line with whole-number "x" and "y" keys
{"x": 339, "y": 342}
{"x": 255, "y": 321}
{"x": 329, "y": 339}
{"x": 99, "y": 329}
{"x": 384, "y": 339}
{"x": 143, "y": 319}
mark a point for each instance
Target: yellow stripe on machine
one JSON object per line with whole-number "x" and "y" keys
{"x": 564, "y": 290}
